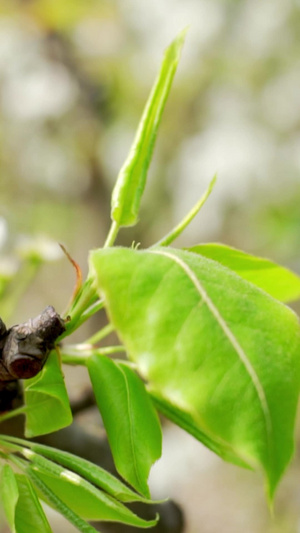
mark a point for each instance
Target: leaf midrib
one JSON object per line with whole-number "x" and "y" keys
{"x": 230, "y": 336}
{"x": 131, "y": 425}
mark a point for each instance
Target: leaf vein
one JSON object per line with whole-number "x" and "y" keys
{"x": 230, "y": 336}
{"x": 131, "y": 424}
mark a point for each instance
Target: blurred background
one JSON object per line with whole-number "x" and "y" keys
{"x": 74, "y": 76}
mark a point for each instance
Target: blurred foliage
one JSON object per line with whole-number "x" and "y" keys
{"x": 74, "y": 76}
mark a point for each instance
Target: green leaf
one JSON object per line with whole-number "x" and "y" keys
{"x": 184, "y": 223}
{"x": 187, "y": 422}
{"x": 52, "y": 499}
{"x": 30, "y": 517}
{"x": 131, "y": 180}
{"x": 9, "y": 495}
{"x": 212, "y": 345}
{"x": 276, "y": 280}
{"x": 132, "y": 425}
{"x": 47, "y": 403}
{"x": 91, "y": 472}
{"x": 79, "y": 495}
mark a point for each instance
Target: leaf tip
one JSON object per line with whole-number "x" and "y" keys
{"x": 182, "y": 34}
{"x": 213, "y": 182}
{"x": 152, "y": 523}
{"x": 270, "y": 493}
{"x": 177, "y": 44}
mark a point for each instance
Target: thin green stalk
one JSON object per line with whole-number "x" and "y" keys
{"x": 73, "y": 325}
{"x": 13, "y": 413}
{"x": 100, "y": 334}
{"x": 80, "y": 353}
{"x": 84, "y": 301}
{"x": 15, "y": 444}
{"x": 94, "y": 308}
{"x": 22, "y": 442}
{"x": 87, "y": 297}
{"x": 13, "y": 447}
{"x": 22, "y": 464}
{"x": 112, "y": 234}
{"x": 75, "y": 359}
{"x": 108, "y": 350}
{"x": 174, "y": 233}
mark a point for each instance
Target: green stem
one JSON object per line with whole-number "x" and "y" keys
{"x": 79, "y": 355}
{"x": 85, "y": 305}
{"x": 21, "y": 442}
{"x": 174, "y": 233}
{"x": 5, "y": 443}
{"x": 100, "y": 334}
{"x": 13, "y": 413}
{"x": 86, "y": 297}
{"x": 112, "y": 234}
{"x": 75, "y": 359}
{"x": 108, "y": 350}
{"x": 94, "y": 308}
{"x": 75, "y": 324}
{"x": 20, "y": 463}
{"x": 14, "y": 444}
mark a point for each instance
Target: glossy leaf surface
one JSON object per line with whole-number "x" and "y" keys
{"x": 276, "y": 280}
{"x": 9, "y": 494}
{"x": 91, "y": 472}
{"x": 212, "y": 346}
{"x": 46, "y": 398}
{"x": 79, "y": 495}
{"x": 54, "y": 501}
{"x": 30, "y": 517}
{"x": 131, "y": 180}
{"x": 129, "y": 418}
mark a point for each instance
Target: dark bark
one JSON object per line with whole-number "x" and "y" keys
{"x": 24, "y": 348}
